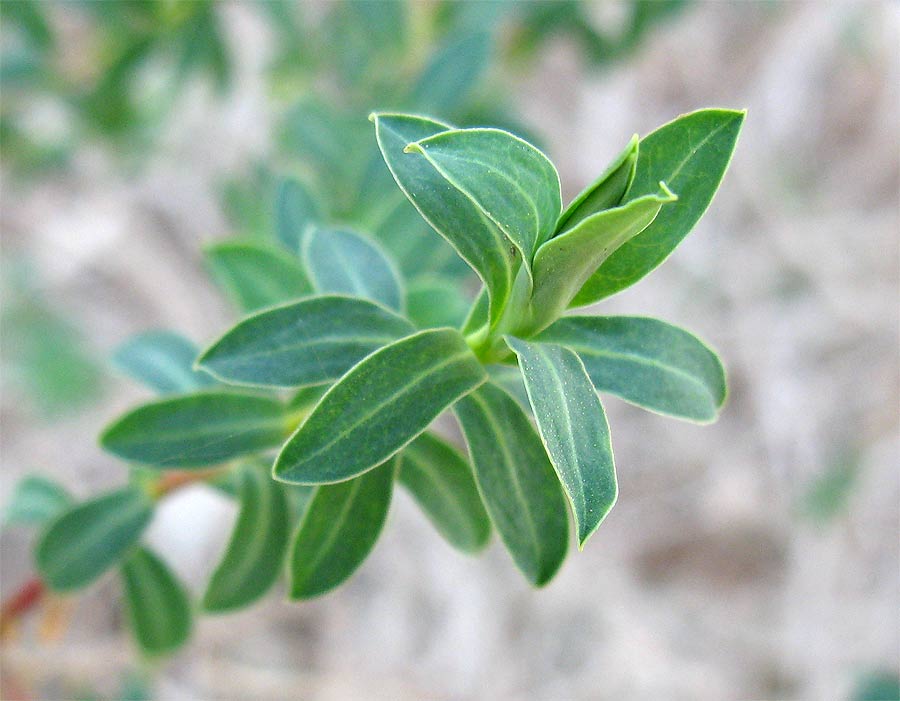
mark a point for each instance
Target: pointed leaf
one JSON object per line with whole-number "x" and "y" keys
{"x": 343, "y": 262}
{"x": 690, "y": 155}
{"x": 379, "y": 406}
{"x": 89, "y": 538}
{"x": 162, "y": 360}
{"x": 158, "y": 607}
{"x": 308, "y": 342}
{"x": 338, "y": 531}
{"x": 434, "y": 301}
{"x": 35, "y": 500}
{"x": 441, "y": 481}
{"x": 296, "y": 211}
{"x": 516, "y": 480}
{"x": 258, "y": 543}
{"x": 255, "y": 275}
{"x": 197, "y": 429}
{"x": 647, "y": 362}
{"x": 573, "y": 427}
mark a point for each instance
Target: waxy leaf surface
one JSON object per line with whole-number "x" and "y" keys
{"x": 163, "y": 361}
{"x": 296, "y": 211}
{"x": 35, "y": 500}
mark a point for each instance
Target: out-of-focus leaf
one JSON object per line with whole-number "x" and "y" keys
{"x": 296, "y": 212}
{"x": 162, "y": 360}
{"x": 35, "y": 501}
{"x": 433, "y": 301}
{"x": 451, "y": 74}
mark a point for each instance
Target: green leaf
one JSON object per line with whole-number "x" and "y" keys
{"x": 255, "y": 275}
{"x": 338, "y": 531}
{"x": 344, "y": 262}
{"x": 605, "y": 192}
{"x": 451, "y": 74}
{"x": 573, "y": 427}
{"x": 434, "y": 301}
{"x": 507, "y": 180}
{"x": 296, "y": 211}
{"x": 85, "y": 541}
{"x": 162, "y": 360}
{"x": 449, "y": 212}
{"x": 197, "y": 429}
{"x": 566, "y": 262}
{"x": 258, "y": 543}
{"x": 441, "y": 481}
{"x": 379, "y": 406}
{"x": 35, "y": 501}
{"x": 690, "y": 155}
{"x": 158, "y": 607}
{"x": 647, "y": 362}
{"x": 517, "y": 482}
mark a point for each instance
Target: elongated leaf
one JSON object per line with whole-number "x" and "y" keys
{"x": 308, "y": 342}
{"x": 509, "y": 379}
{"x": 85, "y": 541}
{"x": 258, "y": 543}
{"x": 452, "y": 73}
{"x": 435, "y": 301}
{"x": 605, "y": 192}
{"x": 566, "y": 262}
{"x": 379, "y": 406}
{"x": 647, "y": 362}
{"x": 296, "y": 211}
{"x": 440, "y": 479}
{"x": 516, "y": 480}
{"x": 344, "y": 262}
{"x": 507, "y": 179}
{"x": 255, "y": 275}
{"x": 158, "y": 607}
{"x": 573, "y": 427}
{"x": 35, "y": 500}
{"x": 453, "y": 215}
{"x": 338, "y": 531}
{"x": 197, "y": 429}
{"x": 162, "y": 360}
{"x": 690, "y": 155}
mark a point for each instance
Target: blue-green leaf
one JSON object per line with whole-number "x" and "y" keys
{"x": 296, "y": 211}
{"x": 35, "y": 501}
{"x": 162, "y": 360}
{"x": 452, "y": 73}
{"x": 434, "y": 301}
{"x": 573, "y": 427}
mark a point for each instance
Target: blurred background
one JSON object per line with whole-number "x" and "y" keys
{"x": 757, "y": 558}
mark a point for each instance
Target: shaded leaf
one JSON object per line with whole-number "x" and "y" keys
{"x": 296, "y": 211}
{"x": 433, "y": 301}
{"x": 35, "y": 501}
{"x": 163, "y": 361}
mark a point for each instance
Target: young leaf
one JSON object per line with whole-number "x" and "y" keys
{"x": 379, "y": 406}
{"x": 197, "y": 429}
{"x": 258, "y": 543}
{"x": 690, "y": 155}
{"x": 308, "y": 342}
{"x": 516, "y": 481}
{"x": 35, "y": 501}
{"x": 605, "y": 192}
{"x": 507, "y": 179}
{"x": 158, "y": 607}
{"x": 451, "y": 74}
{"x": 343, "y": 262}
{"x": 162, "y": 360}
{"x": 338, "y": 531}
{"x": 89, "y": 538}
{"x": 573, "y": 427}
{"x": 296, "y": 211}
{"x": 647, "y": 362}
{"x": 434, "y": 301}
{"x": 255, "y": 275}
{"x": 453, "y": 215}
{"x": 441, "y": 481}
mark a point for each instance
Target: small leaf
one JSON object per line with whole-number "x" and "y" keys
{"x": 338, "y": 531}
{"x": 451, "y": 74}
{"x": 573, "y": 427}
{"x": 308, "y": 342}
{"x": 441, "y": 481}
{"x": 379, "y": 406}
{"x": 516, "y": 481}
{"x": 197, "y": 429}
{"x": 296, "y": 211}
{"x": 690, "y": 155}
{"x": 258, "y": 543}
{"x": 88, "y": 539}
{"x": 647, "y": 362}
{"x": 432, "y": 302}
{"x": 255, "y": 275}
{"x": 343, "y": 262}
{"x": 162, "y": 360}
{"x": 158, "y": 607}
{"x": 35, "y": 501}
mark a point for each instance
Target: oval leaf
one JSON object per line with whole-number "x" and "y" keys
{"x": 573, "y": 427}
{"x": 309, "y": 342}
{"x": 647, "y": 362}
{"x": 163, "y": 361}
{"x": 197, "y": 429}
{"x": 379, "y": 406}
{"x": 296, "y": 212}
{"x": 516, "y": 480}
{"x": 85, "y": 541}
{"x": 338, "y": 531}
{"x": 35, "y": 501}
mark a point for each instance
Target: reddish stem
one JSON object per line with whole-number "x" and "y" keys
{"x": 26, "y": 598}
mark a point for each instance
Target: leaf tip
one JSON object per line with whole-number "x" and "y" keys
{"x": 414, "y": 147}
{"x": 667, "y": 193}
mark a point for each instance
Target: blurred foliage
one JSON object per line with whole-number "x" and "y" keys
{"x": 877, "y": 686}
{"x": 828, "y": 494}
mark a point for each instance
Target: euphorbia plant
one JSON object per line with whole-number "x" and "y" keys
{"x": 310, "y": 408}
